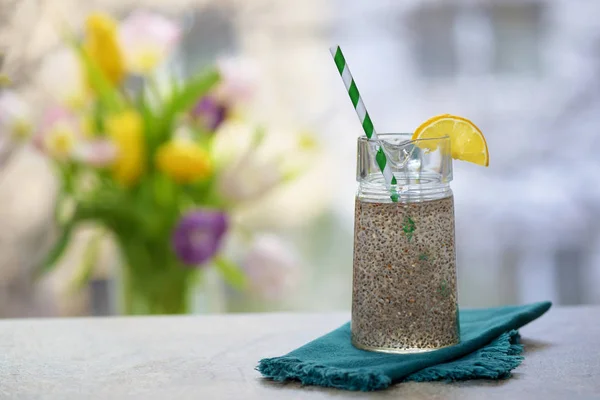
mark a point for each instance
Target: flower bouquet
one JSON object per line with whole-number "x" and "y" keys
{"x": 135, "y": 154}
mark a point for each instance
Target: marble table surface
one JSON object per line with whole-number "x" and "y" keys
{"x": 213, "y": 357}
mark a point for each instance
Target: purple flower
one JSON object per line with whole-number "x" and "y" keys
{"x": 209, "y": 112}
{"x": 198, "y": 235}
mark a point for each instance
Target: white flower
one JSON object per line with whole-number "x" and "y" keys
{"x": 292, "y": 204}
{"x": 62, "y": 78}
{"x": 258, "y": 179}
{"x": 15, "y": 116}
{"x": 272, "y": 267}
{"x": 249, "y": 178}
{"x": 15, "y": 123}
{"x": 246, "y": 172}
{"x": 146, "y": 40}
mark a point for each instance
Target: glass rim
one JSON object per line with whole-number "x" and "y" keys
{"x": 382, "y": 136}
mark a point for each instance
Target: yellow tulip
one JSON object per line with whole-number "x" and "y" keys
{"x": 184, "y": 161}
{"x": 101, "y": 45}
{"x": 127, "y": 132}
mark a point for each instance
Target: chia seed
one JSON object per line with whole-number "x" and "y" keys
{"x": 404, "y": 286}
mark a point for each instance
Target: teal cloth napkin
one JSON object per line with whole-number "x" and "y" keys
{"x": 489, "y": 349}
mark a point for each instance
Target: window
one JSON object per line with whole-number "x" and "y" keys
{"x": 517, "y": 31}
{"x": 450, "y": 40}
{"x": 434, "y": 43}
{"x": 211, "y": 32}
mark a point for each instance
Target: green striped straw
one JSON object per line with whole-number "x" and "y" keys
{"x": 364, "y": 118}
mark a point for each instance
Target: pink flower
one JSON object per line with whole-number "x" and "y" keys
{"x": 272, "y": 267}
{"x": 147, "y": 39}
{"x": 63, "y": 136}
{"x": 98, "y": 152}
{"x": 59, "y": 132}
{"x": 239, "y": 80}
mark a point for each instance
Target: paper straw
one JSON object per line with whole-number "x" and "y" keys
{"x": 364, "y": 118}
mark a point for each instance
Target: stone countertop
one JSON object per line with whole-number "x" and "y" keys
{"x": 213, "y": 357}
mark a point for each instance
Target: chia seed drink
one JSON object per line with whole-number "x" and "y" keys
{"x": 404, "y": 296}
{"x": 404, "y": 292}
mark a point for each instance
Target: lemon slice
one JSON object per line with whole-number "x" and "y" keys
{"x": 467, "y": 143}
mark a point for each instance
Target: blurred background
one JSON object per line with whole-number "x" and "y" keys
{"x": 525, "y": 71}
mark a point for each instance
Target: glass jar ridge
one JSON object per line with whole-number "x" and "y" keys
{"x": 422, "y": 168}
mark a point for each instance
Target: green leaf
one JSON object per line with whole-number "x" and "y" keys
{"x": 57, "y": 251}
{"x": 183, "y": 98}
{"x": 88, "y": 263}
{"x": 97, "y": 114}
{"x": 112, "y": 211}
{"x": 174, "y": 85}
{"x": 145, "y": 109}
{"x": 231, "y": 272}
{"x": 258, "y": 137}
{"x": 205, "y": 193}
{"x": 193, "y": 90}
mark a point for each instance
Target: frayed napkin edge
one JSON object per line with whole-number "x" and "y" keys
{"x": 289, "y": 368}
{"x": 494, "y": 361}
